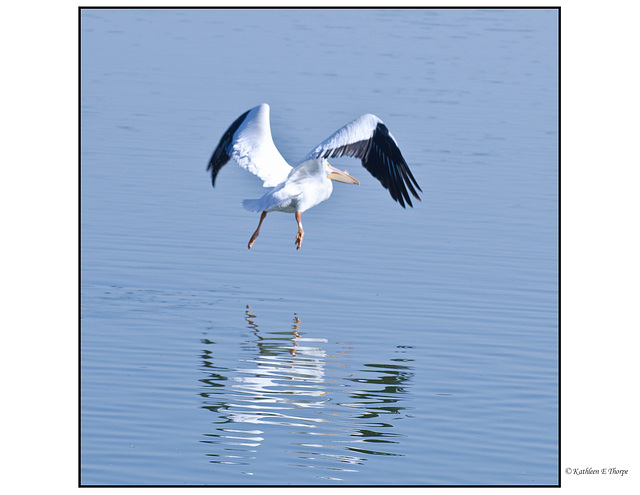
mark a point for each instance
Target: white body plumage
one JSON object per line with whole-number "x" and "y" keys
{"x": 305, "y": 187}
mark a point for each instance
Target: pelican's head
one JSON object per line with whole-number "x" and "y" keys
{"x": 340, "y": 176}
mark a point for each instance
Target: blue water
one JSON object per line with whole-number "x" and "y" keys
{"x": 403, "y": 347}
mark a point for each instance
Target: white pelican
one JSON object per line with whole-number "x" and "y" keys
{"x": 294, "y": 190}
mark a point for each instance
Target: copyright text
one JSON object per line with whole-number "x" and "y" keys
{"x": 602, "y": 471}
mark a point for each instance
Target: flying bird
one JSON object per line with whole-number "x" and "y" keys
{"x": 294, "y": 190}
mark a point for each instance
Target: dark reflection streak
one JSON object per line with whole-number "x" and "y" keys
{"x": 393, "y": 379}
{"x": 373, "y": 452}
{"x": 249, "y": 318}
{"x": 371, "y": 433}
{"x": 388, "y": 366}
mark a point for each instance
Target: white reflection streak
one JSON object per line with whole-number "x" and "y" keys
{"x": 286, "y": 375}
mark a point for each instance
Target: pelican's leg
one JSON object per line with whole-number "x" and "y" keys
{"x": 300, "y": 234}
{"x": 257, "y": 232}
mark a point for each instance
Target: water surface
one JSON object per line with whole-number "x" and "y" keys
{"x": 413, "y": 346}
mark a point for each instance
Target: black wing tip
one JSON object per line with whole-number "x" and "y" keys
{"x": 415, "y": 195}
{"x": 216, "y": 163}
{"x": 402, "y": 199}
{"x": 382, "y": 128}
{"x": 400, "y": 186}
{"x": 221, "y": 154}
{"x": 219, "y": 158}
{"x": 395, "y": 175}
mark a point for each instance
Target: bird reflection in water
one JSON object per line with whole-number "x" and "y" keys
{"x": 333, "y": 414}
{"x": 280, "y": 384}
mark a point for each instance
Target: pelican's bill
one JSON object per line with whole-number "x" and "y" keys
{"x": 340, "y": 176}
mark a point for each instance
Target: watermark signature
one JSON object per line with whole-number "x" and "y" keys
{"x": 602, "y": 471}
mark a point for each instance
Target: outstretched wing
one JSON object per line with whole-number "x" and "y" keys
{"x": 248, "y": 141}
{"x": 369, "y": 139}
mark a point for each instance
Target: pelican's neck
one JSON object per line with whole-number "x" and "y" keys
{"x": 314, "y": 169}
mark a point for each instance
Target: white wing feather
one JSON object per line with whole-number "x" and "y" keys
{"x": 356, "y": 131}
{"x": 252, "y": 147}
